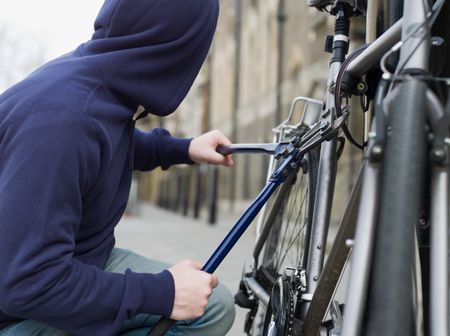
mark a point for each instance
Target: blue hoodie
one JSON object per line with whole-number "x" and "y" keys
{"x": 68, "y": 145}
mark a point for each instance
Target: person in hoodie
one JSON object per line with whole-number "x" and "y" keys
{"x": 68, "y": 145}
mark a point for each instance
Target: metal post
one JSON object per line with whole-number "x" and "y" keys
{"x": 198, "y": 192}
{"x": 186, "y": 192}
{"x": 167, "y": 193}
{"x": 213, "y": 196}
{"x": 236, "y": 97}
{"x": 160, "y": 194}
{"x": 281, "y": 16}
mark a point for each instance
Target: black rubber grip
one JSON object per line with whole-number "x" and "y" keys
{"x": 163, "y": 326}
{"x": 224, "y": 150}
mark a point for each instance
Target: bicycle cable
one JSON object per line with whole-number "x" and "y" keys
{"x": 337, "y": 92}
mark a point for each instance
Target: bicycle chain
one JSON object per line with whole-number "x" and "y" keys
{"x": 290, "y": 314}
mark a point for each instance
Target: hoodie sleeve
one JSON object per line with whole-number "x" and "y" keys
{"x": 42, "y": 186}
{"x": 159, "y": 148}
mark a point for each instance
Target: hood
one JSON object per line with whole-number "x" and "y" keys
{"x": 150, "y": 51}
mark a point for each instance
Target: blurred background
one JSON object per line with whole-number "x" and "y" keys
{"x": 265, "y": 53}
{"x": 33, "y": 32}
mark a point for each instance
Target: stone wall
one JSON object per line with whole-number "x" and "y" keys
{"x": 237, "y": 89}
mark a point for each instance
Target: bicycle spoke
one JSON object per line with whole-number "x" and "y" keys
{"x": 294, "y": 238}
{"x": 293, "y": 228}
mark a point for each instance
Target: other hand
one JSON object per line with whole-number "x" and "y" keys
{"x": 193, "y": 287}
{"x": 203, "y": 149}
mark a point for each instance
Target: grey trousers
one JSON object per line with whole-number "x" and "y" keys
{"x": 216, "y": 321}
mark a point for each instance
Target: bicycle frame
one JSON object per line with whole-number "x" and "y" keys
{"x": 361, "y": 211}
{"x": 414, "y": 56}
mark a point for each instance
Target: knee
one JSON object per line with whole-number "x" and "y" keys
{"x": 221, "y": 309}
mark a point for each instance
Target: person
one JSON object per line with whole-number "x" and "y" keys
{"x": 68, "y": 145}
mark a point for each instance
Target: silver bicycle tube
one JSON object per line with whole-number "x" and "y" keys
{"x": 418, "y": 299}
{"x": 414, "y": 53}
{"x": 258, "y": 291}
{"x": 362, "y": 252}
{"x": 335, "y": 263}
{"x": 369, "y": 57}
{"x": 327, "y": 171}
{"x": 439, "y": 252}
{"x": 322, "y": 204}
{"x": 439, "y": 224}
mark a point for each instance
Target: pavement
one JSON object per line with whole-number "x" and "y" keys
{"x": 171, "y": 237}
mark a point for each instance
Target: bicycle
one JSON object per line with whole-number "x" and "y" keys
{"x": 397, "y": 240}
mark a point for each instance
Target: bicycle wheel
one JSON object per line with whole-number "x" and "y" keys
{"x": 390, "y": 301}
{"x": 287, "y": 242}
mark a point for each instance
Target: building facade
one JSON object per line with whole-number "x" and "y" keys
{"x": 264, "y": 54}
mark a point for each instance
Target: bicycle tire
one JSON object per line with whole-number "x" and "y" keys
{"x": 289, "y": 223}
{"x": 390, "y": 308}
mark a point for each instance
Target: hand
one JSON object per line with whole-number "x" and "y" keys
{"x": 192, "y": 290}
{"x": 203, "y": 149}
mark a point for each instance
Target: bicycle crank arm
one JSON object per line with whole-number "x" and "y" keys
{"x": 265, "y": 148}
{"x": 287, "y": 166}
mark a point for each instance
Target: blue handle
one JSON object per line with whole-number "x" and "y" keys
{"x": 278, "y": 177}
{"x": 239, "y": 228}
